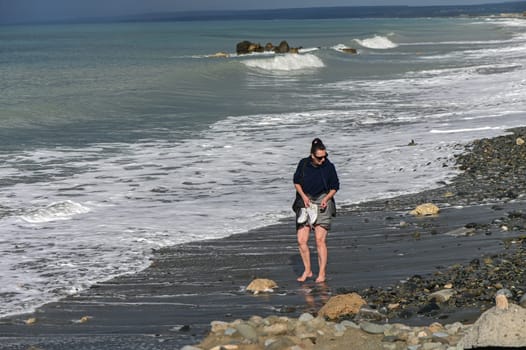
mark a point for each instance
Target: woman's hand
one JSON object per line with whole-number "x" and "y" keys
{"x": 306, "y": 201}
{"x": 323, "y": 203}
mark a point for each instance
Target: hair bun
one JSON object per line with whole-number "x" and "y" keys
{"x": 317, "y": 141}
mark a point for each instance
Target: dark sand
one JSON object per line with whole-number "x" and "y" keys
{"x": 172, "y": 303}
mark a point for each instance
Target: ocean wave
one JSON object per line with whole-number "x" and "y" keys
{"x": 377, "y": 42}
{"x": 308, "y": 49}
{"x": 55, "y": 211}
{"x": 288, "y": 62}
{"x": 465, "y": 130}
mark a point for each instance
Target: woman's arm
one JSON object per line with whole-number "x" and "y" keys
{"x": 305, "y": 198}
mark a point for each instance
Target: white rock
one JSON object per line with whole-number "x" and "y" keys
{"x": 306, "y": 317}
{"x": 497, "y": 327}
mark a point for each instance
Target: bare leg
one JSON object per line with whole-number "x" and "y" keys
{"x": 303, "y": 239}
{"x": 321, "y": 245}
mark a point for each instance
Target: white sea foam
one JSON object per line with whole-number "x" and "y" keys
{"x": 308, "y": 49}
{"x": 377, "y": 42}
{"x": 466, "y": 130}
{"x": 288, "y": 62}
{"x": 56, "y": 211}
{"x": 339, "y": 47}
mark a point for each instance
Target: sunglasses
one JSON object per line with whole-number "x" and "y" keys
{"x": 322, "y": 157}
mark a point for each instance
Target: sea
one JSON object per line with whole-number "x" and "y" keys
{"x": 120, "y": 138}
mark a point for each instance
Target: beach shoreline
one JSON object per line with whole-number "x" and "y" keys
{"x": 372, "y": 247}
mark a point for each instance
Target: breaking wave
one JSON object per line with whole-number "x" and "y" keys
{"x": 55, "y": 211}
{"x": 377, "y": 42}
{"x": 289, "y": 62}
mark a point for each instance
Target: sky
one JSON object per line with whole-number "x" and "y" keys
{"x": 12, "y": 11}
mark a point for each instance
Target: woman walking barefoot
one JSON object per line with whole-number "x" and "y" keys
{"x": 316, "y": 183}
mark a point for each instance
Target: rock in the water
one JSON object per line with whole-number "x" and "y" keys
{"x": 261, "y": 285}
{"x": 497, "y": 327}
{"x": 350, "y": 50}
{"x": 243, "y": 47}
{"x": 425, "y": 209}
{"x": 220, "y": 55}
{"x": 341, "y": 305}
{"x": 283, "y": 47}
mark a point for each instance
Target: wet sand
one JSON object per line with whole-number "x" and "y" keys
{"x": 171, "y": 303}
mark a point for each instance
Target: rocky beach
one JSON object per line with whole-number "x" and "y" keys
{"x": 423, "y": 280}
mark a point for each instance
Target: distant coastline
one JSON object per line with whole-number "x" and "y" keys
{"x": 515, "y": 9}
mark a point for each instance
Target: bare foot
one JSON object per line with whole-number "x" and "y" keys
{"x": 304, "y": 277}
{"x": 320, "y": 279}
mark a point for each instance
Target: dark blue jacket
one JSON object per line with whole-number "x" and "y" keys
{"x": 316, "y": 180}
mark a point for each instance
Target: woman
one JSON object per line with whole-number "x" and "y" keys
{"x": 316, "y": 183}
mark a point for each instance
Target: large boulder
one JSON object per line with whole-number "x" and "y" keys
{"x": 500, "y": 326}
{"x": 425, "y": 209}
{"x": 283, "y": 47}
{"x": 242, "y": 48}
{"x": 341, "y": 305}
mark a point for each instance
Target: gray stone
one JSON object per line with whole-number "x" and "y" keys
{"x": 497, "y": 327}
{"x": 189, "y": 347}
{"x": 350, "y": 324}
{"x": 506, "y": 292}
{"x": 442, "y": 295}
{"x": 522, "y": 302}
{"x": 440, "y": 335}
{"x": 248, "y": 332}
{"x": 454, "y": 328}
{"x": 339, "y": 327}
{"x": 230, "y": 331}
{"x": 373, "y": 328}
{"x": 306, "y": 317}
